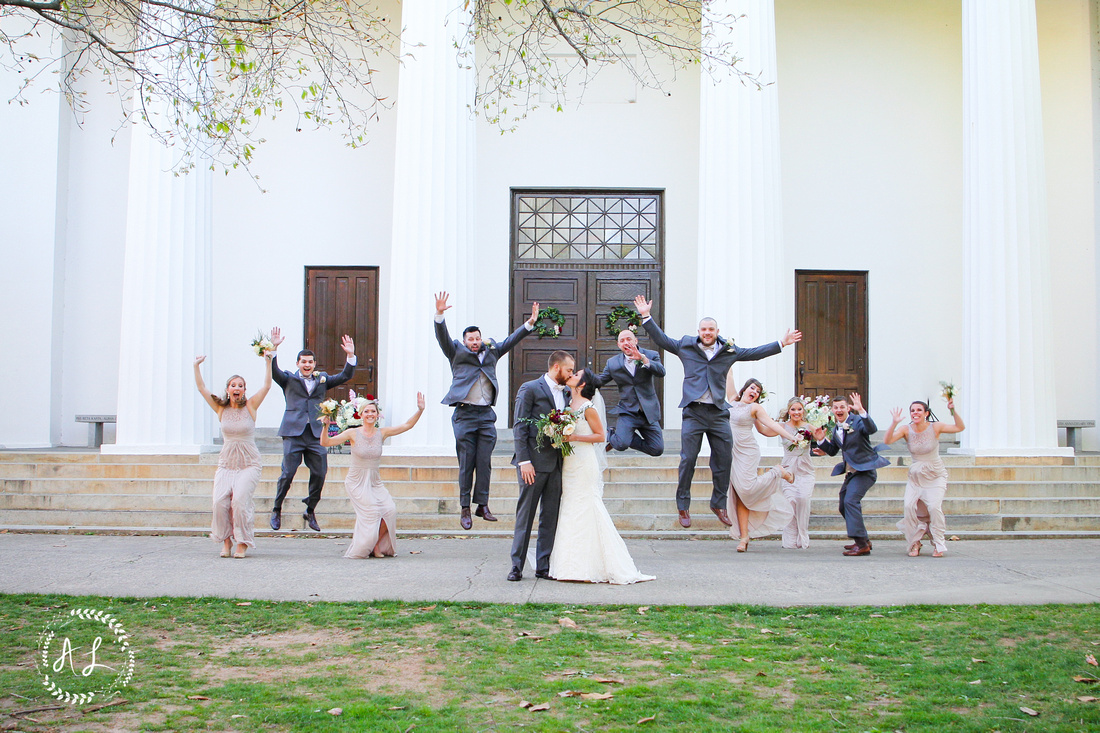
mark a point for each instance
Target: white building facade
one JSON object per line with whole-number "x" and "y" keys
{"x": 931, "y": 164}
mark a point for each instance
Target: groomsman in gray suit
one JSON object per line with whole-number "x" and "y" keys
{"x": 473, "y": 394}
{"x": 304, "y": 391}
{"x": 639, "y": 422}
{"x": 539, "y": 468}
{"x": 707, "y": 359}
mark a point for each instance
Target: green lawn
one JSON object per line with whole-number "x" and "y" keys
{"x": 220, "y": 665}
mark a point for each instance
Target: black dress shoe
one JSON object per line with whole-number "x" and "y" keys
{"x": 276, "y": 520}
{"x": 311, "y": 521}
{"x": 544, "y": 574}
{"x": 483, "y": 512}
{"x": 464, "y": 518}
{"x": 515, "y": 574}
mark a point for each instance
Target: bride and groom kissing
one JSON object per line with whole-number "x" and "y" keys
{"x": 577, "y": 539}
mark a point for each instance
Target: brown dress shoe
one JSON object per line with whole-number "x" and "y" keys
{"x": 722, "y": 516}
{"x": 858, "y": 551}
{"x": 685, "y": 518}
{"x": 483, "y": 512}
{"x": 464, "y": 518}
{"x": 608, "y": 448}
{"x": 854, "y": 545}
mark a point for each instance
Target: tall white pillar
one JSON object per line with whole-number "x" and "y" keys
{"x": 433, "y": 214}
{"x": 1007, "y": 389}
{"x": 743, "y": 280}
{"x": 165, "y": 305}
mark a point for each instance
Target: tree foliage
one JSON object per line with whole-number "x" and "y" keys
{"x": 202, "y": 73}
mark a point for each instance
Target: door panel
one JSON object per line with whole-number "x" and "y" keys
{"x": 343, "y": 300}
{"x": 831, "y": 310}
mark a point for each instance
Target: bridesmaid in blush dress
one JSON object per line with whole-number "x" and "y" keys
{"x": 927, "y": 484}
{"x": 761, "y": 507}
{"x": 238, "y": 471}
{"x": 797, "y": 460}
{"x": 375, "y": 512}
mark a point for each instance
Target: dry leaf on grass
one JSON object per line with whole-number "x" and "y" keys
{"x": 1087, "y": 698}
{"x": 975, "y": 660}
{"x": 586, "y": 695}
{"x": 197, "y": 697}
{"x": 1091, "y": 660}
{"x": 650, "y": 719}
{"x": 335, "y": 711}
{"x": 748, "y": 659}
{"x": 1029, "y": 711}
{"x": 397, "y": 707}
{"x": 409, "y": 729}
{"x": 528, "y": 635}
{"x": 246, "y": 603}
{"x": 766, "y": 631}
{"x": 540, "y": 707}
{"x": 876, "y": 615}
{"x": 567, "y": 623}
{"x": 415, "y": 552}
{"x": 524, "y": 704}
{"x": 1086, "y": 680}
{"x": 608, "y": 680}
{"x": 761, "y": 674}
{"x": 975, "y": 682}
{"x": 642, "y": 610}
{"x": 427, "y": 608}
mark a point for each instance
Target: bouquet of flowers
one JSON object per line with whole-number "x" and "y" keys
{"x": 949, "y": 390}
{"x": 805, "y": 435}
{"x": 819, "y": 414}
{"x": 262, "y": 344}
{"x": 556, "y": 426}
{"x": 350, "y": 412}
{"x": 328, "y": 409}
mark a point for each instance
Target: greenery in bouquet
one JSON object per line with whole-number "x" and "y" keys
{"x": 949, "y": 392}
{"x": 328, "y": 409}
{"x": 262, "y": 344}
{"x": 555, "y": 427}
{"x": 819, "y": 413}
{"x": 805, "y": 435}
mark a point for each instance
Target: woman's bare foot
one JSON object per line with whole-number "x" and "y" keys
{"x": 743, "y": 545}
{"x": 914, "y": 549}
{"x": 937, "y": 553}
{"x": 241, "y": 550}
{"x": 787, "y": 475}
{"x": 227, "y": 548}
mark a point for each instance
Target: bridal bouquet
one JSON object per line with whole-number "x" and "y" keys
{"x": 350, "y": 412}
{"x": 805, "y": 435}
{"x": 556, "y": 426}
{"x": 949, "y": 390}
{"x": 819, "y": 413}
{"x": 262, "y": 344}
{"x": 328, "y": 409}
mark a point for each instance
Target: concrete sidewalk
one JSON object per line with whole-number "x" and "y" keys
{"x": 689, "y": 572}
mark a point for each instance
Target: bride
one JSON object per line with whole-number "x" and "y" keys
{"x": 587, "y": 546}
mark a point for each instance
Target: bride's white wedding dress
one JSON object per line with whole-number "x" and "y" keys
{"x": 587, "y": 547}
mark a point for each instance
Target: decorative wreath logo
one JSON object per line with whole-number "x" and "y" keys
{"x": 556, "y": 319}
{"x": 75, "y": 659}
{"x": 618, "y": 313}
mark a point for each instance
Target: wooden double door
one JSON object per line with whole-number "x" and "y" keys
{"x": 831, "y": 308}
{"x": 343, "y": 300}
{"x": 584, "y": 298}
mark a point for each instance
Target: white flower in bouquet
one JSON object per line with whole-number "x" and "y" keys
{"x": 328, "y": 409}
{"x": 262, "y": 344}
{"x": 568, "y": 429}
{"x": 548, "y": 431}
{"x": 817, "y": 411}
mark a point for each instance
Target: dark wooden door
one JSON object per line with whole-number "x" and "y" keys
{"x": 831, "y": 308}
{"x": 343, "y": 300}
{"x": 585, "y": 298}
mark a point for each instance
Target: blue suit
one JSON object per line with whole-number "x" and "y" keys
{"x": 474, "y": 425}
{"x": 639, "y": 422}
{"x": 301, "y": 430}
{"x": 703, "y": 418}
{"x": 859, "y": 467}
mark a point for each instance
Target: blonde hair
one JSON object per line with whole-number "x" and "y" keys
{"x": 785, "y": 413}
{"x": 224, "y": 400}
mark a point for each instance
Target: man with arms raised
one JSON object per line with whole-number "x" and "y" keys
{"x": 304, "y": 391}
{"x": 707, "y": 359}
{"x": 473, "y": 394}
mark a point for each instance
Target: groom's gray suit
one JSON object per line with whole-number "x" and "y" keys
{"x": 639, "y": 422}
{"x": 535, "y": 399}
{"x": 301, "y": 430}
{"x": 473, "y": 394}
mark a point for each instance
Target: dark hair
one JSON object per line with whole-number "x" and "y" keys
{"x": 751, "y": 380}
{"x": 557, "y": 358}
{"x": 588, "y": 386}
{"x": 840, "y": 398}
{"x": 305, "y": 352}
{"x": 224, "y": 400}
{"x": 931, "y": 416}
{"x": 468, "y": 329}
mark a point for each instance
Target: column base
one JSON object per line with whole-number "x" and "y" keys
{"x": 150, "y": 450}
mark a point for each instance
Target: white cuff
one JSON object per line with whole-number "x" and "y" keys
{"x": 439, "y": 318}
{"x": 524, "y": 463}
{"x": 647, "y": 318}
{"x": 353, "y": 360}
{"x": 528, "y": 326}
{"x": 862, "y": 414}
{"x": 781, "y": 344}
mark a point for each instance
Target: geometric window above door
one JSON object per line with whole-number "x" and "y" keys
{"x": 582, "y": 226}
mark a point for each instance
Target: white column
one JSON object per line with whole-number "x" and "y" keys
{"x": 165, "y": 305}
{"x": 433, "y": 215}
{"x": 1007, "y": 390}
{"x": 743, "y": 280}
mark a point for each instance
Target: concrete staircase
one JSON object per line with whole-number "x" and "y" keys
{"x": 85, "y": 491}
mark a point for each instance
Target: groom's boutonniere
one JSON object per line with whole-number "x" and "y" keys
{"x": 730, "y": 347}
{"x": 320, "y": 377}
{"x": 489, "y": 343}
{"x": 639, "y": 362}
{"x": 843, "y": 426}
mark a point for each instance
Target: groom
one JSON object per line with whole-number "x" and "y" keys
{"x": 707, "y": 360}
{"x": 539, "y": 469}
{"x": 852, "y": 439}
{"x": 304, "y": 390}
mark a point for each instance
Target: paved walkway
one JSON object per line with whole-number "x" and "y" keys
{"x": 688, "y": 572}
